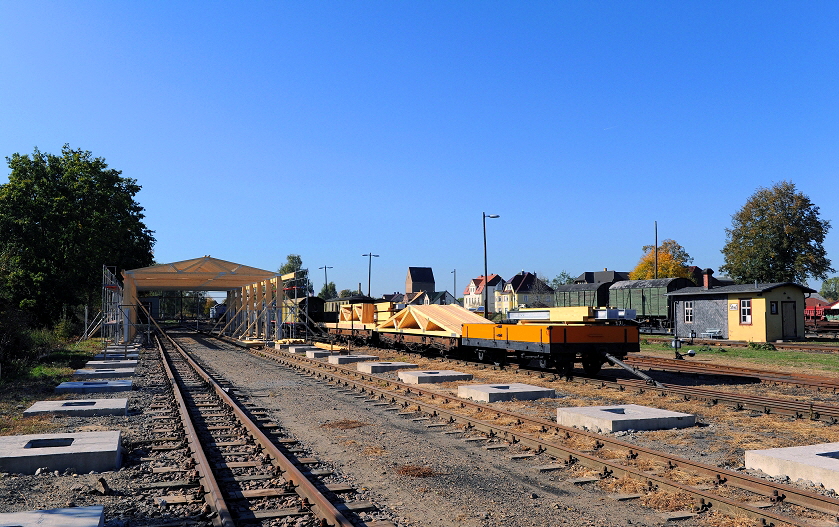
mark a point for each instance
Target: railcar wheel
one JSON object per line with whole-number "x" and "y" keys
{"x": 546, "y": 364}
{"x": 592, "y": 364}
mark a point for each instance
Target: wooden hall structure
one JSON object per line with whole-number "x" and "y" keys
{"x": 253, "y": 295}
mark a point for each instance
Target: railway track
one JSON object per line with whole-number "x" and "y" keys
{"x": 239, "y": 465}
{"x": 707, "y": 368}
{"x": 767, "y": 502}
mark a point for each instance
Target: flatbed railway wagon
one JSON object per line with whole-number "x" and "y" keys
{"x": 551, "y": 345}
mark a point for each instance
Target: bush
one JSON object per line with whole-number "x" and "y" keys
{"x": 763, "y": 346}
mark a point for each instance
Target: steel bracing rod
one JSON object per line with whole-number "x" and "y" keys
{"x": 325, "y": 509}
{"x": 213, "y": 495}
{"x": 792, "y": 495}
{"x": 638, "y": 373}
{"x": 231, "y": 319}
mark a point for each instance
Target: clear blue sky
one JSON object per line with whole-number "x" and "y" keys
{"x": 331, "y": 129}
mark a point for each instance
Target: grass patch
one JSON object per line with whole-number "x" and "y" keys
{"x": 24, "y": 384}
{"x": 759, "y": 354}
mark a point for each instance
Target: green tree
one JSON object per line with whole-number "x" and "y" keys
{"x": 293, "y": 263}
{"x": 830, "y": 289}
{"x": 777, "y": 236}
{"x": 328, "y": 291}
{"x": 563, "y": 278}
{"x": 673, "y": 262}
{"x": 346, "y": 293}
{"x": 300, "y": 283}
{"x": 62, "y": 218}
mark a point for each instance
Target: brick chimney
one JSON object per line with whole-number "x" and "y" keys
{"x": 706, "y": 278}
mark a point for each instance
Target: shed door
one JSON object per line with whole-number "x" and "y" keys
{"x": 789, "y": 321}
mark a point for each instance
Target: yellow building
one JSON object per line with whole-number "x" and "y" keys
{"x": 523, "y": 290}
{"x": 747, "y": 312}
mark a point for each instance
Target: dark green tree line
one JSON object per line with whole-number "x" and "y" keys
{"x": 62, "y": 217}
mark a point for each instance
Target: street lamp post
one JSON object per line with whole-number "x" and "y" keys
{"x": 370, "y": 255}
{"x": 325, "y": 281}
{"x": 454, "y": 286}
{"x": 486, "y": 276}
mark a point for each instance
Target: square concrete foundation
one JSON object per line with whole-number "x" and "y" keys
{"x": 433, "y": 376}
{"x": 349, "y": 359}
{"x": 110, "y": 363}
{"x": 80, "y": 407}
{"x": 116, "y": 356}
{"x": 621, "y": 417}
{"x": 491, "y": 393}
{"x": 302, "y": 350}
{"x": 94, "y": 386}
{"x": 816, "y": 463}
{"x": 82, "y": 451}
{"x": 318, "y": 353}
{"x": 93, "y": 516}
{"x": 103, "y": 373}
{"x": 381, "y": 367}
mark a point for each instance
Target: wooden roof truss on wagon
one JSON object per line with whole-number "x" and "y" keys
{"x": 432, "y": 319}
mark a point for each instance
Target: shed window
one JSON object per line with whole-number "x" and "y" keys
{"x": 745, "y": 310}
{"x": 689, "y": 311}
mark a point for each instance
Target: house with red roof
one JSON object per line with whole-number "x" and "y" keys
{"x": 473, "y": 295}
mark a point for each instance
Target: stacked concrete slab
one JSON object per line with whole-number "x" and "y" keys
{"x": 622, "y": 417}
{"x": 81, "y": 451}
{"x": 381, "y": 367}
{"x": 349, "y": 359}
{"x": 93, "y": 516}
{"x": 120, "y": 385}
{"x": 111, "y": 363}
{"x": 103, "y": 373}
{"x": 433, "y": 376}
{"x": 816, "y": 463}
{"x": 318, "y": 353}
{"x": 80, "y": 407}
{"x": 503, "y": 392}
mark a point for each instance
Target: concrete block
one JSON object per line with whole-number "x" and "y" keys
{"x": 816, "y": 463}
{"x": 491, "y": 393}
{"x": 116, "y": 356}
{"x": 620, "y": 417}
{"x": 110, "y": 363}
{"x": 93, "y": 516}
{"x": 103, "y": 373}
{"x": 433, "y": 376}
{"x": 318, "y": 354}
{"x": 82, "y": 451}
{"x": 94, "y": 386}
{"x": 80, "y": 407}
{"x": 348, "y": 359}
{"x": 301, "y": 350}
{"x": 381, "y": 367}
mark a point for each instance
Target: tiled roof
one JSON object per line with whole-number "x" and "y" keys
{"x": 737, "y": 288}
{"x": 421, "y": 274}
{"x": 479, "y": 283}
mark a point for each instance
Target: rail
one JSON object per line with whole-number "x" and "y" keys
{"x": 406, "y": 395}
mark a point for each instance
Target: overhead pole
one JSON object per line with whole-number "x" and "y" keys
{"x": 486, "y": 278}
{"x": 656, "y": 250}
{"x": 325, "y": 280}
